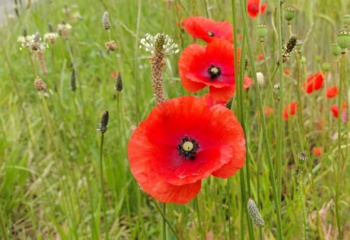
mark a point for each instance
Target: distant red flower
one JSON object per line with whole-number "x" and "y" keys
{"x": 114, "y": 74}
{"x": 317, "y": 151}
{"x": 260, "y": 57}
{"x": 268, "y": 111}
{"x": 314, "y": 82}
{"x": 335, "y": 109}
{"x": 286, "y": 71}
{"x": 182, "y": 141}
{"x": 332, "y": 92}
{"x": 211, "y": 66}
{"x": 253, "y": 8}
{"x": 289, "y": 110}
{"x": 207, "y": 29}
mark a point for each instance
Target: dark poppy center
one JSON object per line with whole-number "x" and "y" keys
{"x": 188, "y": 148}
{"x": 214, "y": 72}
{"x": 211, "y": 34}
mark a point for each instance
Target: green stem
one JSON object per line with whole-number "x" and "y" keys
{"x": 3, "y": 227}
{"x": 264, "y": 54}
{"x": 164, "y": 222}
{"x": 261, "y": 111}
{"x": 103, "y": 203}
{"x": 280, "y": 122}
{"x": 165, "y": 219}
{"x": 200, "y": 228}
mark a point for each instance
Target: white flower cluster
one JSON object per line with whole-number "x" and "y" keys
{"x": 33, "y": 42}
{"x": 149, "y": 44}
{"x": 50, "y": 37}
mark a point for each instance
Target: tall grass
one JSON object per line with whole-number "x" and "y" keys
{"x": 50, "y": 180}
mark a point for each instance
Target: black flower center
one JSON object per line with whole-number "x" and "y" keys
{"x": 188, "y": 148}
{"x": 211, "y": 34}
{"x": 214, "y": 72}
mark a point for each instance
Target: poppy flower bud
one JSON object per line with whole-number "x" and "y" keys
{"x": 336, "y": 50}
{"x": 326, "y": 67}
{"x": 254, "y": 214}
{"x": 289, "y": 13}
{"x": 343, "y": 39}
{"x": 262, "y": 31}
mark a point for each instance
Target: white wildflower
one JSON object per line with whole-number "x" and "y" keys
{"x": 148, "y": 43}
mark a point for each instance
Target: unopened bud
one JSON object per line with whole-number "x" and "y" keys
{"x": 343, "y": 39}
{"x": 262, "y": 31}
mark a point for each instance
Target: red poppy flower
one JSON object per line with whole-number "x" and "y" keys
{"x": 207, "y": 29}
{"x": 286, "y": 71}
{"x": 289, "y": 110}
{"x": 181, "y": 142}
{"x": 332, "y": 92}
{"x": 317, "y": 151}
{"x": 260, "y": 57}
{"x": 211, "y": 66}
{"x": 253, "y": 8}
{"x": 335, "y": 110}
{"x": 314, "y": 82}
{"x": 114, "y": 74}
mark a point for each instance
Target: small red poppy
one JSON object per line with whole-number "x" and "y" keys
{"x": 286, "y": 71}
{"x": 332, "y": 92}
{"x": 207, "y": 29}
{"x": 211, "y": 66}
{"x": 317, "y": 151}
{"x": 289, "y": 110}
{"x": 335, "y": 109}
{"x": 314, "y": 82}
{"x": 253, "y": 8}
{"x": 260, "y": 57}
{"x": 181, "y": 142}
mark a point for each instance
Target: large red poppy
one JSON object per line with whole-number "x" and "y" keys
{"x": 211, "y": 66}
{"x": 332, "y": 92}
{"x": 253, "y": 8}
{"x": 207, "y": 29}
{"x": 182, "y": 141}
{"x": 314, "y": 82}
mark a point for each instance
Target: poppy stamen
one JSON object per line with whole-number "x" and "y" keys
{"x": 188, "y": 148}
{"x": 211, "y": 34}
{"x": 214, "y": 72}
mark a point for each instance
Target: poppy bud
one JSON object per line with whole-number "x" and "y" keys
{"x": 336, "y": 50}
{"x": 343, "y": 39}
{"x": 289, "y": 13}
{"x": 326, "y": 67}
{"x": 262, "y": 31}
{"x": 254, "y": 214}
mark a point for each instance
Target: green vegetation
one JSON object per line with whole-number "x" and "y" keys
{"x": 50, "y": 162}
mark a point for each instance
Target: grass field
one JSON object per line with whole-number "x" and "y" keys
{"x": 61, "y": 178}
